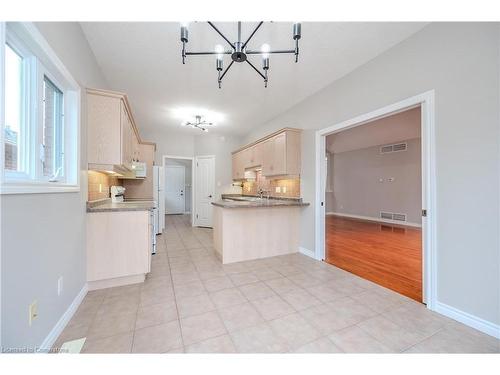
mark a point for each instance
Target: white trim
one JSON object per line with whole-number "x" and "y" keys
{"x": 192, "y": 177}
{"x": 377, "y": 219}
{"x": 426, "y": 102}
{"x": 307, "y": 252}
{"x": 2, "y": 122}
{"x": 468, "y": 319}
{"x": 63, "y": 321}
{"x": 72, "y": 91}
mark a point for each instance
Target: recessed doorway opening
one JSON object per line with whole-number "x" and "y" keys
{"x": 379, "y": 215}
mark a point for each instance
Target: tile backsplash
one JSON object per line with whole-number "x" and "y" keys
{"x": 99, "y": 185}
{"x": 287, "y": 188}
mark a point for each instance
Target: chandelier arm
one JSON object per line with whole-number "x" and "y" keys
{"x": 222, "y": 35}
{"x": 208, "y": 53}
{"x": 257, "y": 70}
{"x": 270, "y": 52}
{"x": 254, "y": 31}
{"x": 225, "y": 71}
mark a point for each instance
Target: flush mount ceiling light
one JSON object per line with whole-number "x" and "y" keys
{"x": 238, "y": 50}
{"x": 198, "y": 123}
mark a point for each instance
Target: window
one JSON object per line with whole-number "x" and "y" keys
{"x": 40, "y": 133}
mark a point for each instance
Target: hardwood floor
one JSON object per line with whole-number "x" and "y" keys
{"x": 389, "y": 255}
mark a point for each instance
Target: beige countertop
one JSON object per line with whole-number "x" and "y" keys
{"x": 239, "y": 201}
{"x": 106, "y": 205}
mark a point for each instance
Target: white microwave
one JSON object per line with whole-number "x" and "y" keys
{"x": 139, "y": 169}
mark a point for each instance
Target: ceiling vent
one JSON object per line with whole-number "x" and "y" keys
{"x": 392, "y": 216}
{"x": 397, "y": 147}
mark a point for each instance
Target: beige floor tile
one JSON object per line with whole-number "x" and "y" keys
{"x": 256, "y": 290}
{"x": 272, "y": 307}
{"x": 258, "y": 339}
{"x": 220, "y": 344}
{"x": 157, "y": 295}
{"x": 157, "y": 339}
{"x": 227, "y": 297}
{"x": 325, "y": 293}
{"x": 304, "y": 280}
{"x": 240, "y": 316}
{"x": 126, "y": 290}
{"x": 390, "y": 334}
{"x": 282, "y": 285}
{"x": 376, "y": 301}
{"x": 264, "y": 274}
{"x": 196, "y": 305}
{"x": 243, "y": 278}
{"x": 287, "y": 270}
{"x": 355, "y": 340}
{"x": 71, "y": 332}
{"x": 191, "y": 289}
{"x": 120, "y": 304}
{"x": 347, "y": 312}
{"x": 201, "y": 327}
{"x": 184, "y": 278}
{"x": 294, "y": 330}
{"x": 110, "y": 325}
{"x": 321, "y": 345}
{"x": 152, "y": 315}
{"x": 420, "y": 320}
{"x": 301, "y": 299}
{"x": 218, "y": 283}
{"x": 347, "y": 286}
{"x": 121, "y": 343}
{"x": 234, "y": 268}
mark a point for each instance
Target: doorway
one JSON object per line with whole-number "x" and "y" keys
{"x": 178, "y": 175}
{"x": 425, "y": 102}
{"x": 373, "y": 202}
{"x": 204, "y": 190}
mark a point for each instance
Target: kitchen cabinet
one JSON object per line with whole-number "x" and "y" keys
{"x": 279, "y": 155}
{"x": 111, "y": 136}
{"x": 119, "y": 245}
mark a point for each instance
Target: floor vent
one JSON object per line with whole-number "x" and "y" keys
{"x": 397, "y": 147}
{"x": 392, "y": 216}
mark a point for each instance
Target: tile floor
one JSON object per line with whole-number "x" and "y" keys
{"x": 192, "y": 303}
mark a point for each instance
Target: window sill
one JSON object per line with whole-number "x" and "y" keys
{"x": 34, "y": 188}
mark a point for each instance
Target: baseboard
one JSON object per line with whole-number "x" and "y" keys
{"x": 377, "y": 219}
{"x": 468, "y": 319}
{"x": 307, "y": 252}
{"x": 63, "y": 321}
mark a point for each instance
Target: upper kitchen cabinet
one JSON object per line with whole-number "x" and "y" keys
{"x": 278, "y": 155}
{"x": 112, "y": 138}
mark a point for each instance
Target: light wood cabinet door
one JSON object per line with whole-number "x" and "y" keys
{"x": 267, "y": 154}
{"x": 255, "y": 155}
{"x": 238, "y": 166}
{"x": 279, "y": 154}
{"x": 104, "y": 130}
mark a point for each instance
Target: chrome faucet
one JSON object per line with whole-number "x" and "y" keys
{"x": 261, "y": 193}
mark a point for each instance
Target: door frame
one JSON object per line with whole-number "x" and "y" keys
{"x": 194, "y": 203}
{"x": 164, "y": 157}
{"x": 428, "y": 155}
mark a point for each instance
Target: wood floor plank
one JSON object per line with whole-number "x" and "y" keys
{"x": 389, "y": 255}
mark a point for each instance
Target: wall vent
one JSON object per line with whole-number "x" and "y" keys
{"x": 396, "y": 147}
{"x": 392, "y": 216}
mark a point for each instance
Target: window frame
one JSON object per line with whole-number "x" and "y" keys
{"x": 41, "y": 60}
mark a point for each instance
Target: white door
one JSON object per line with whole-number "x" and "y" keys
{"x": 205, "y": 190}
{"x": 161, "y": 198}
{"x": 174, "y": 189}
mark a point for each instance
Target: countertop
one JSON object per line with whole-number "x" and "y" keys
{"x": 106, "y": 205}
{"x": 238, "y": 201}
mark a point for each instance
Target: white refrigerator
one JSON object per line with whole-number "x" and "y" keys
{"x": 159, "y": 197}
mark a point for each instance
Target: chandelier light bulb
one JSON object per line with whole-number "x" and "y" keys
{"x": 265, "y": 48}
{"x": 219, "y": 50}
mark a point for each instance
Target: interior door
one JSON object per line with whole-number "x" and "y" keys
{"x": 174, "y": 189}
{"x": 161, "y": 198}
{"x": 205, "y": 190}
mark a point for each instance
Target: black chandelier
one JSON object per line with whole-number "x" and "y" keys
{"x": 239, "y": 52}
{"x": 199, "y": 124}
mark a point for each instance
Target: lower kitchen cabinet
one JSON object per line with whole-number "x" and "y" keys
{"x": 119, "y": 245}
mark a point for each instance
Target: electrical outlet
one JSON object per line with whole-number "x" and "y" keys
{"x": 59, "y": 286}
{"x": 278, "y": 189}
{"x": 284, "y": 189}
{"x": 100, "y": 188}
{"x": 33, "y": 311}
{"x": 391, "y": 179}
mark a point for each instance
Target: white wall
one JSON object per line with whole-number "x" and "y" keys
{"x": 460, "y": 61}
{"x": 43, "y": 235}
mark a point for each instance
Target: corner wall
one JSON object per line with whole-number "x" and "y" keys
{"x": 43, "y": 235}
{"x": 460, "y": 61}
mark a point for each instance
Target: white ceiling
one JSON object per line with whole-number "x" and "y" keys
{"x": 391, "y": 129}
{"x": 143, "y": 60}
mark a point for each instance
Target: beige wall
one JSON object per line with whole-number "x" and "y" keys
{"x": 357, "y": 185}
